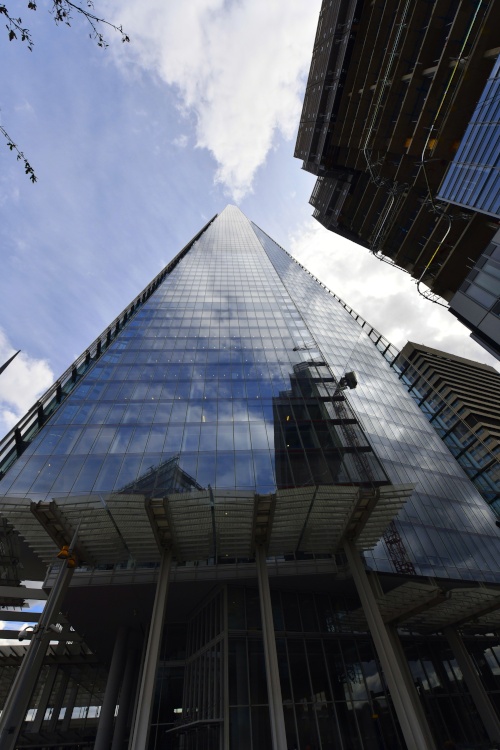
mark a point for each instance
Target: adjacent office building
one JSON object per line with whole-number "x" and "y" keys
{"x": 400, "y": 123}
{"x": 263, "y": 541}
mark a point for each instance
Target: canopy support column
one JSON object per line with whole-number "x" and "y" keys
{"x": 147, "y": 688}
{"x": 43, "y": 703}
{"x": 479, "y": 695}
{"x": 278, "y": 733}
{"x": 17, "y": 703}
{"x": 107, "y": 715}
{"x": 125, "y": 699}
{"x": 414, "y": 727}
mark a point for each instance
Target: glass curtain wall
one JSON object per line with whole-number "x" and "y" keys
{"x": 472, "y": 179}
{"x": 446, "y": 526}
{"x": 334, "y": 693}
{"x": 227, "y": 378}
{"x": 189, "y": 392}
{"x": 188, "y": 711}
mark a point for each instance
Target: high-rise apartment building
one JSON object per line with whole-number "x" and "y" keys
{"x": 264, "y": 543}
{"x": 459, "y": 397}
{"x": 462, "y": 400}
{"x": 400, "y": 124}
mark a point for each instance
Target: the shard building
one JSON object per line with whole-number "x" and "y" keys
{"x": 262, "y": 542}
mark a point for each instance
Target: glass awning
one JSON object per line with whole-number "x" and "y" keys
{"x": 427, "y": 607}
{"x": 203, "y": 524}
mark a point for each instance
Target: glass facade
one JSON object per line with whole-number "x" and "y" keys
{"x": 333, "y": 689}
{"x": 473, "y": 178}
{"x": 445, "y": 514}
{"x": 229, "y": 377}
{"x": 477, "y": 302}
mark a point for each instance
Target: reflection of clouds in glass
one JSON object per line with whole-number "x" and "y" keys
{"x": 183, "y": 377}
{"x": 371, "y": 680}
{"x": 225, "y": 470}
{"x": 240, "y": 410}
{"x": 489, "y": 655}
{"x": 424, "y": 674}
{"x": 407, "y": 444}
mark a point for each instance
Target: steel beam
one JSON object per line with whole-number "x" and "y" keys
{"x": 43, "y": 703}
{"x": 413, "y": 725}
{"x": 146, "y": 692}
{"x": 276, "y": 716}
{"x": 126, "y": 694}
{"x": 107, "y": 715}
{"x": 69, "y": 708}
{"x": 478, "y": 694}
{"x": 57, "y": 701}
{"x": 19, "y": 697}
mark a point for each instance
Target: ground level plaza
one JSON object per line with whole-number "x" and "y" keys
{"x": 209, "y": 670}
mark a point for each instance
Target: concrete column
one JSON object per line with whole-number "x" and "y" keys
{"x": 107, "y": 715}
{"x": 416, "y": 734}
{"x": 472, "y": 679}
{"x": 125, "y": 699}
{"x": 17, "y": 703}
{"x": 278, "y": 733}
{"x": 146, "y": 692}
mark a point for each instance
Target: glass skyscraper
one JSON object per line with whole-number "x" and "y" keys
{"x": 333, "y": 572}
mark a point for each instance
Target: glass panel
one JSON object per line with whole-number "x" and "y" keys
{"x": 257, "y": 672}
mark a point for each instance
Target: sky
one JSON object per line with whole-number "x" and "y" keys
{"x": 135, "y": 147}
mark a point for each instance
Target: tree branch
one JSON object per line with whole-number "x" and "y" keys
{"x": 14, "y": 27}
{"x": 19, "y": 155}
{"x": 61, "y": 11}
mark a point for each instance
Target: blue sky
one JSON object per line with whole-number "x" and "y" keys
{"x": 135, "y": 147}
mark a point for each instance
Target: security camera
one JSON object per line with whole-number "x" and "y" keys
{"x": 31, "y": 629}
{"x": 23, "y": 635}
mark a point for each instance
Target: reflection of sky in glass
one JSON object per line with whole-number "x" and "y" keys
{"x": 446, "y": 526}
{"x": 219, "y": 380}
{"x": 472, "y": 178}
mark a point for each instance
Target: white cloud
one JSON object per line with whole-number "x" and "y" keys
{"x": 385, "y": 296}
{"x": 25, "y": 107}
{"x": 239, "y": 66}
{"x": 24, "y": 380}
{"x": 181, "y": 141}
